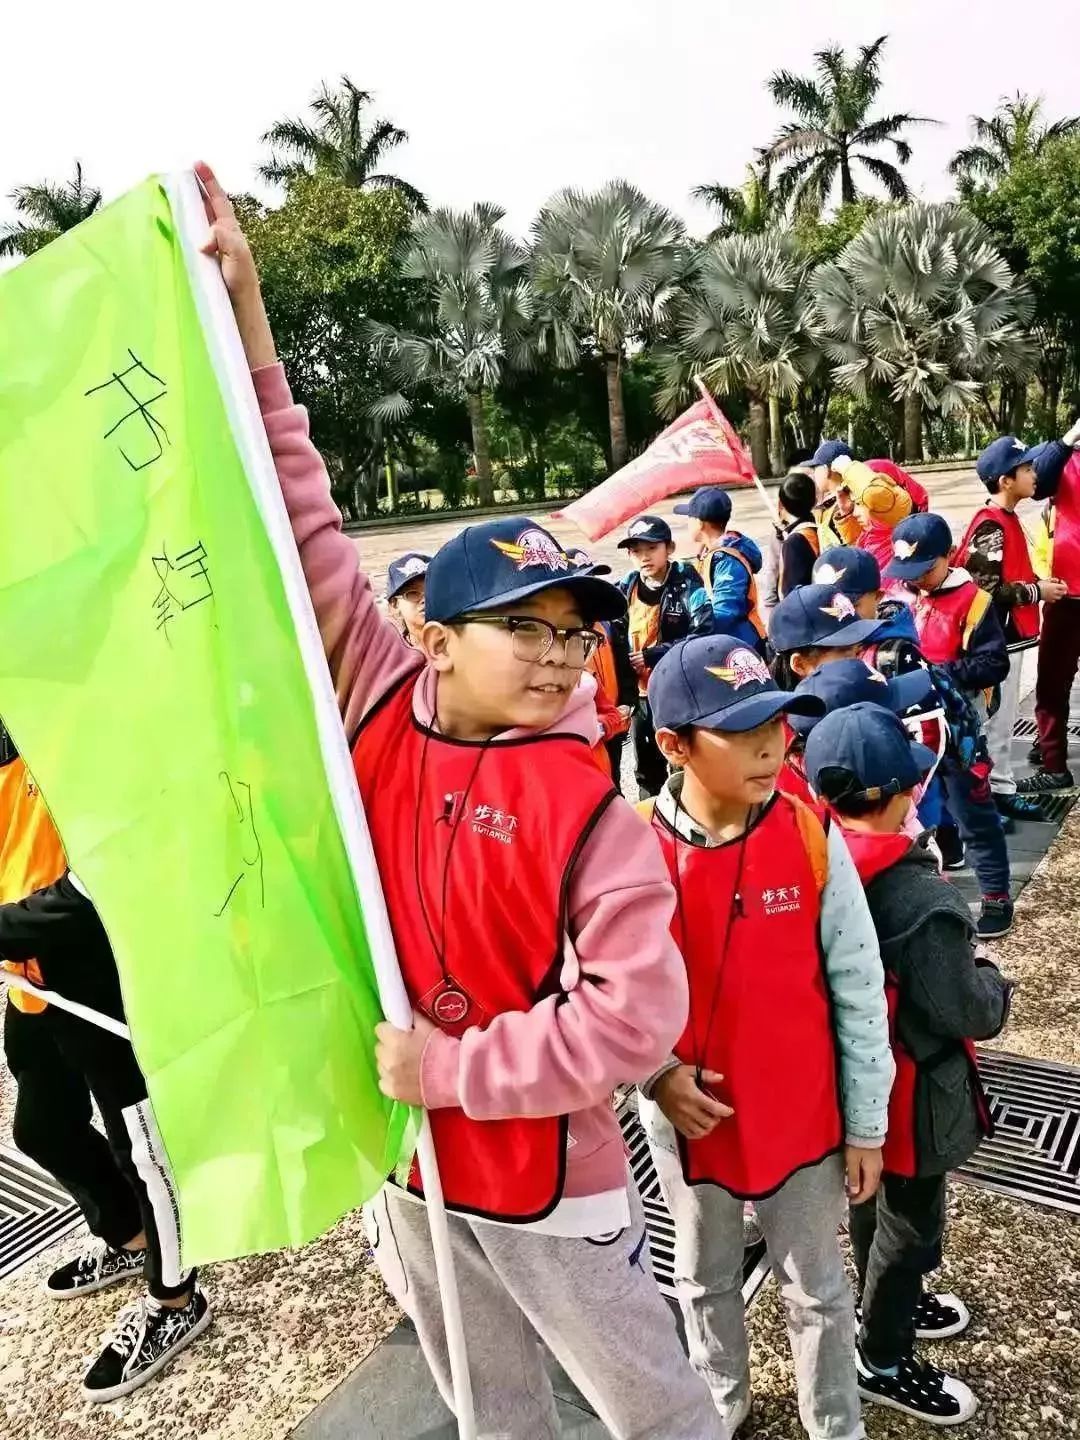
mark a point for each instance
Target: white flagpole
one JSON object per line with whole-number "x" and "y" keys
{"x": 238, "y": 393}
{"x": 51, "y": 997}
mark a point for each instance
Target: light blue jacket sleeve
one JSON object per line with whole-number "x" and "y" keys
{"x": 856, "y": 983}
{"x": 730, "y": 594}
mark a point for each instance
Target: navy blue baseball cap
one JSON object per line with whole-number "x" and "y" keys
{"x": 856, "y": 572}
{"x": 646, "y": 530}
{"x": 918, "y": 543}
{"x": 1001, "y": 457}
{"x": 828, "y": 451}
{"x": 404, "y": 570}
{"x": 864, "y": 753}
{"x": 709, "y": 503}
{"x": 718, "y": 683}
{"x": 840, "y": 683}
{"x": 503, "y": 562}
{"x": 1049, "y": 460}
{"x": 817, "y": 615}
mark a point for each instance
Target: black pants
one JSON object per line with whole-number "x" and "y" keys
{"x": 896, "y": 1238}
{"x": 59, "y": 1062}
{"x": 614, "y": 748}
{"x": 650, "y": 767}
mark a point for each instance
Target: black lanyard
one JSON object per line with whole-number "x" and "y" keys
{"x": 438, "y": 943}
{"x": 736, "y": 911}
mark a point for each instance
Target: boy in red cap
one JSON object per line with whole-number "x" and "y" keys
{"x": 530, "y": 911}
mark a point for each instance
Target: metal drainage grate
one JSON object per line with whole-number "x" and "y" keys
{"x": 1035, "y": 1154}
{"x": 658, "y": 1219}
{"x": 1056, "y": 807}
{"x": 1028, "y": 730}
{"x": 34, "y": 1210}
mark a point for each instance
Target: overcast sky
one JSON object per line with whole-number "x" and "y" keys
{"x": 502, "y": 101}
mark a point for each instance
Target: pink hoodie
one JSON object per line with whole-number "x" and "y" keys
{"x": 626, "y": 998}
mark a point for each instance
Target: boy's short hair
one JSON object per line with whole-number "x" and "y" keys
{"x": 798, "y": 494}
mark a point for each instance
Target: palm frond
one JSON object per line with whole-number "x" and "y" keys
{"x": 887, "y": 175}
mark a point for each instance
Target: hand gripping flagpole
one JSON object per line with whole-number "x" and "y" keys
{"x": 238, "y": 394}
{"x": 737, "y": 449}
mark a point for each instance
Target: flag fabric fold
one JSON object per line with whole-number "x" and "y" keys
{"x": 701, "y": 447}
{"x": 151, "y": 675}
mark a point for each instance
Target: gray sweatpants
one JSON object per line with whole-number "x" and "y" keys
{"x": 594, "y": 1304}
{"x": 800, "y": 1224}
{"x": 1000, "y": 726}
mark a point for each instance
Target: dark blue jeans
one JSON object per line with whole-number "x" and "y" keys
{"x": 967, "y": 794}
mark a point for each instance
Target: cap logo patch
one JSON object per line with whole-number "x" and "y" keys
{"x": 640, "y": 527}
{"x": 876, "y": 676}
{"x": 1017, "y": 445}
{"x": 840, "y": 609}
{"x": 829, "y": 575}
{"x": 413, "y": 566}
{"x": 533, "y": 547}
{"x": 904, "y": 549}
{"x": 743, "y": 667}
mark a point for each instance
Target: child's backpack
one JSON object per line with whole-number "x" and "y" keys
{"x": 897, "y": 652}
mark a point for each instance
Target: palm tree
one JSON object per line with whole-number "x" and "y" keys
{"x": 475, "y": 318}
{"x": 746, "y": 322}
{"x": 1014, "y": 133}
{"x": 608, "y": 265}
{"x": 49, "y": 210}
{"x": 922, "y": 301}
{"x": 339, "y": 141}
{"x": 748, "y": 210}
{"x": 833, "y": 132}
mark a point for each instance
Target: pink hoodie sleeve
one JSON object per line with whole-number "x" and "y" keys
{"x": 616, "y": 1025}
{"x": 365, "y": 650}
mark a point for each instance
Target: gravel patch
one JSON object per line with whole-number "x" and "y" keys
{"x": 287, "y": 1328}
{"x": 1043, "y": 954}
{"x": 1018, "y": 1269}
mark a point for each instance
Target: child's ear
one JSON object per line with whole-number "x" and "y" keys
{"x": 435, "y": 643}
{"x": 673, "y": 747}
{"x": 801, "y": 665}
{"x": 671, "y": 548}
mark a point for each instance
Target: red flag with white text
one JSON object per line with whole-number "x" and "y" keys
{"x": 701, "y": 447}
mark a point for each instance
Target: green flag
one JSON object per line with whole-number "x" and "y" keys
{"x": 161, "y": 673}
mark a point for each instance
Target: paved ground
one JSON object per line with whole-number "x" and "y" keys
{"x": 291, "y": 1326}
{"x": 956, "y": 494}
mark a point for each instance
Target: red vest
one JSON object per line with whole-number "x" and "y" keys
{"x": 517, "y": 814}
{"x": 760, "y": 1012}
{"x": 1065, "y": 527}
{"x": 1016, "y": 566}
{"x": 946, "y": 619}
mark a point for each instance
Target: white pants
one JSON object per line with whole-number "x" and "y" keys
{"x": 1000, "y": 727}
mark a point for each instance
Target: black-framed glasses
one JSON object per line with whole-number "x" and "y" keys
{"x": 532, "y": 639}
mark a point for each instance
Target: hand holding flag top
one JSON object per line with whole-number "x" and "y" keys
{"x": 701, "y": 447}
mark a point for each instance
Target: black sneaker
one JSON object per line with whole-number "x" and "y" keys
{"x": 1046, "y": 782}
{"x": 1018, "y": 807}
{"x": 995, "y": 919}
{"x": 941, "y": 1317}
{"x": 917, "y": 1389}
{"x": 98, "y": 1266}
{"x": 1034, "y": 755}
{"x": 951, "y": 847}
{"x": 147, "y": 1337}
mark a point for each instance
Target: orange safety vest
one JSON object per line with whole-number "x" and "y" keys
{"x": 703, "y": 565}
{"x": 31, "y": 857}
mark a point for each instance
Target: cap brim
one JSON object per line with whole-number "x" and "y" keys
{"x": 600, "y": 599}
{"x": 404, "y": 585}
{"x": 630, "y": 541}
{"x": 854, "y": 633}
{"x": 925, "y": 759}
{"x": 758, "y": 710}
{"x": 682, "y": 509}
{"x": 908, "y": 569}
{"x": 909, "y": 690}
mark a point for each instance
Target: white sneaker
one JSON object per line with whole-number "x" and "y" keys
{"x": 917, "y": 1389}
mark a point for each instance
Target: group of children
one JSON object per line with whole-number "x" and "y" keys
{"x": 766, "y": 947}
